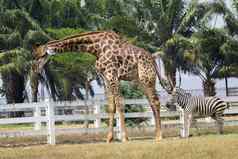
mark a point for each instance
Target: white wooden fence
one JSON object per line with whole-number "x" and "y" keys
{"x": 50, "y": 118}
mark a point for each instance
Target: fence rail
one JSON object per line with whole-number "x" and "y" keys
{"x": 97, "y": 115}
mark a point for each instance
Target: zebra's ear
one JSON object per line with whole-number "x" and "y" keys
{"x": 174, "y": 89}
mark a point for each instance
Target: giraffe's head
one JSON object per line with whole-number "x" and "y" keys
{"x": 40, "y": 51}
{"x": 40, "y": 55}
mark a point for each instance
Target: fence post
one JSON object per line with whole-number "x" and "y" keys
{"x": 97, "y": 111}
{"x": 37, "y": 113}
{"x": 182, "y": 122}
{"x": 51, "y": 123}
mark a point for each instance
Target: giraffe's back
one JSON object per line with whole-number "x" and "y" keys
{"x": 134, "y": 62}
{"x": 129, "y": 63}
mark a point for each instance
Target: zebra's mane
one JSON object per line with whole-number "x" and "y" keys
{"x": 182, "y": 92}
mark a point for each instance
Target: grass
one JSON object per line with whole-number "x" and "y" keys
{"x": 205, "y": 147}
{"x": 9, "y": 127}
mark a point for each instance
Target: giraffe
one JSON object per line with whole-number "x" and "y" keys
{"x": 116, "y": 60}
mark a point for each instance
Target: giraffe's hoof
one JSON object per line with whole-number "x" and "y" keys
{"x": 158, "y": 139}
{"x": 109, "y": 138}
{"x": 125, "y": 139}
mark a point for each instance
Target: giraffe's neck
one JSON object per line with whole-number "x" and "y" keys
{"x": 93, "y": 43}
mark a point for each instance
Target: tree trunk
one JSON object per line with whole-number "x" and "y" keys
{"x": 209, "y": 87}
{"x": 68, "y": 89}
{"x": 34, "y": 86}
{"x": 14, "y": 85}
{"x": 86, "y": 122}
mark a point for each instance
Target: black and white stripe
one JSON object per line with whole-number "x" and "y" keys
{"x": 199, "y": 106}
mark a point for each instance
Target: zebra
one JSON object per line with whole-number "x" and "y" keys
{"x": 197, "y": 106}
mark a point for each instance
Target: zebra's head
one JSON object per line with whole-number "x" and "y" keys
{"x": 171, "y": 103}
{"x": 178, "y": 98}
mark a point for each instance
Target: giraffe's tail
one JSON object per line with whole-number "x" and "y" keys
{"x": 165, "y": 83}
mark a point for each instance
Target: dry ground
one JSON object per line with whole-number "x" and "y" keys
{"x": 134, "y": 134}
{"x": 202, "y": 147}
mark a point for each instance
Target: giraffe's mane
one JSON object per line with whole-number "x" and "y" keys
{"x": 76, "y": 36}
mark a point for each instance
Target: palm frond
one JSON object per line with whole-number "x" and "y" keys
{"x": 235, "y": 5}
{"x": 17, "y": 60}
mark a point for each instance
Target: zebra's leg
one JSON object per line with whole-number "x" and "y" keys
{"x": 220, "y": 123}
{"x": 187, "y": 123}
{"x": 183, "y": 122}
{"x": 190, "y": 118}
{"x": 195, "y": 124}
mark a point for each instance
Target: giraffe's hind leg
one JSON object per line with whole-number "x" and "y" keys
{"x": 147, "y": 79}
{"x": 120, "y": 110}
{"x": 111, "y": 112}
{"x": 155, "y": 106}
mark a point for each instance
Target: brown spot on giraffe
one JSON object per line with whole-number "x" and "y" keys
{"x": 116, "y": 60}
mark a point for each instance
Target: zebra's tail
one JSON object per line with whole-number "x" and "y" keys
{"x": 228, "y": 105}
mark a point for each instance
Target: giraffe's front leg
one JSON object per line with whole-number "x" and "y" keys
{"x": 111, "y": 107}
{"x": 115, "y": 103}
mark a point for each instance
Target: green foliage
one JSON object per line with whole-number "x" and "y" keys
{"x": 211, "y": 58}
{"x": 14, "y": 67}
{"x": 34, "y": 37}
{"x": 130, "y": 91}
{"x": 36, "y": 11}
{"x": 167, "y": 26}
{"x": 73, "y": 63}
{"x": 230, "y": 51}
{"x": 66, "y": 66}
{"x": 63, "y": 32}
{"x": 123, "y": 24}
{"x": 17, "y": 60}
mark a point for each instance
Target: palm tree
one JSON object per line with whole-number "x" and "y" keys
{"x": 68, "y": 73}
{"x": 229, "y": 48}
{"x": 211, "y": 59}
{"x": 14, "y": 65}
{"x": 168, "y": 25}
{"x": 15, "y": 58}
{"x": 19, "y": 30}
